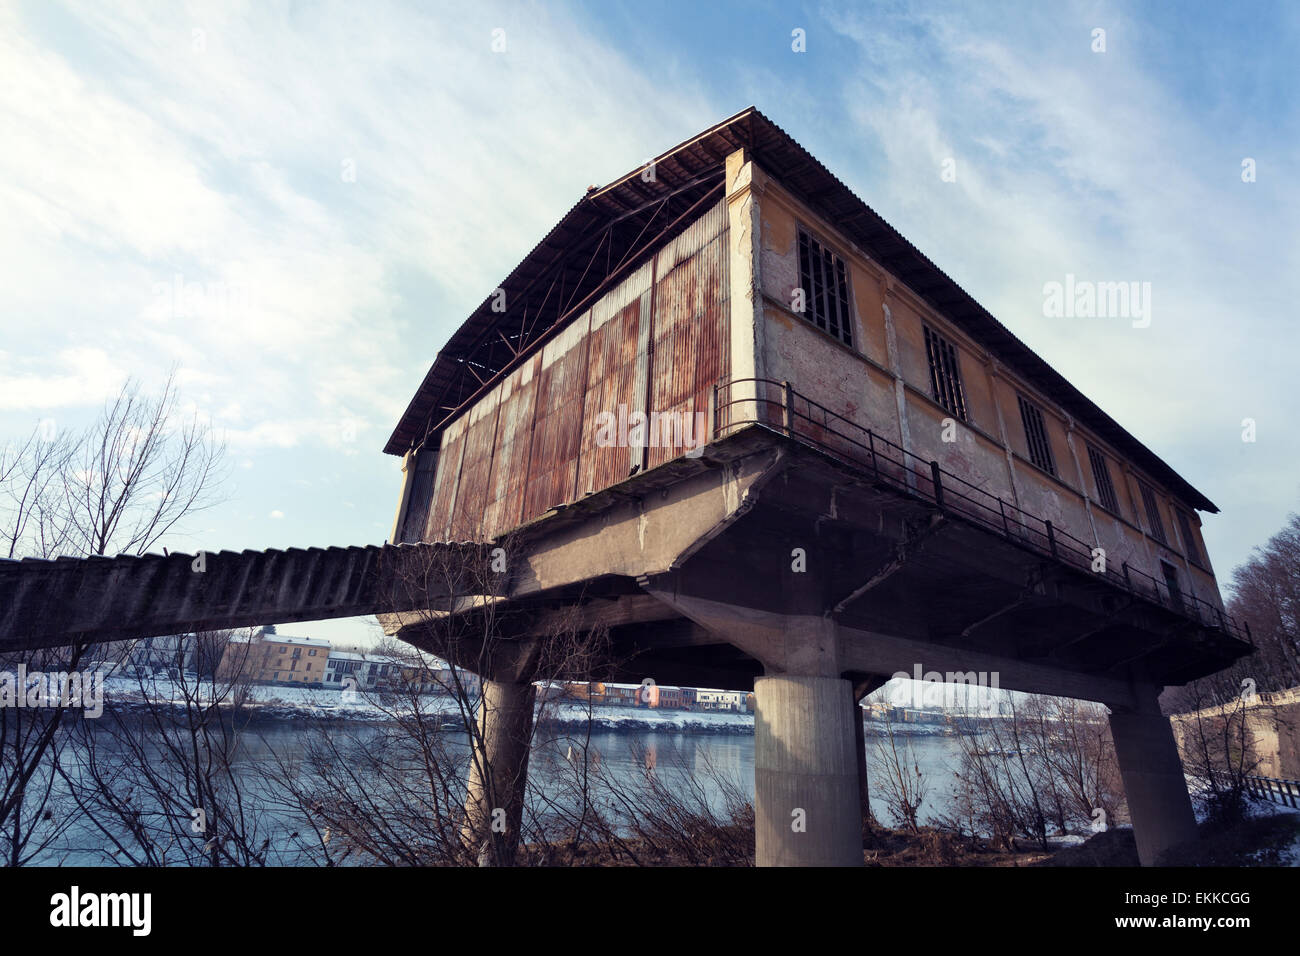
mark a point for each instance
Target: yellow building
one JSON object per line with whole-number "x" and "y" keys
{"x": 274, "y": 658}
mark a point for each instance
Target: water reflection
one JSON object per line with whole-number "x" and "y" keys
{"x": 706, "y": 769}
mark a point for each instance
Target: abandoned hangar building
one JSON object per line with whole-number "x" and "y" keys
{"x": 889, "y": 479}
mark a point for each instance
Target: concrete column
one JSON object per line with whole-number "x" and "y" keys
{"x": 744, "y": 229}
{"x": 1154, "y": 784}
{"x": 860, "y": 748}
{"x": 494, "y": 800}
{"x": 807, "y": 806}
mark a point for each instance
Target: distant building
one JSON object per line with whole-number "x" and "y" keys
{"x": 732, "y": 700}
{"x": 623, "y": 695}
{"x": 593, "y": 691}
{"x": 666, "y": 698}
{"x": 275, "y": 659}
{"x": 380, "y": 672}
{"x": 341, "y": 665}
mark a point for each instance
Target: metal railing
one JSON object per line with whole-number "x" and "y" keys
{"x": 777, "y": 406}
{"x": 1275, "y": 789}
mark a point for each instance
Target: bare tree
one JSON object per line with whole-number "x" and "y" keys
{"x": 1265, "y": 592}
{"x": 902, "y": 784}
{"x": 159, "y": 778}
{"x": 138, "y": 471}
{"x": 1048, "y": 764}
{"x": 32, "y": 472}
{"x": 117, "y": 487}
{"x": 413, "y": 790}
{"x": 1218, "y": 750}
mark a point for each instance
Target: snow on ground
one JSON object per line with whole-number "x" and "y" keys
{"x": 280, "y": 702}
{"x": 639, "y": 719}
{"x": 1291, "y": 855}
{"x": 289, "y": 703}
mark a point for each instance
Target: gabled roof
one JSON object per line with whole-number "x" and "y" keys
{"x": 612, "y": 226}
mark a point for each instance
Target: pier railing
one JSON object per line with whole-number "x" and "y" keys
{"x": 777, "y": 406}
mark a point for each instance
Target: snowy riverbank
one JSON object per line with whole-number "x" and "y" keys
{"x": 274, "y": 702}
{"x": 301, "y": 703}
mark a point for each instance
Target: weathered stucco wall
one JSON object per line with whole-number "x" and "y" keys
{"x": 882, "y": 382}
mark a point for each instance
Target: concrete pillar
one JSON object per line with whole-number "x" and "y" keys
{"x": 807, "y": 806}
{"x": 860, "y": 748}
{"x": 1154, "y": 785}
{"x": 498, "y": 774}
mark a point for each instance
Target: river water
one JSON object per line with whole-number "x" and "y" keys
{"x": 708, "y": 766}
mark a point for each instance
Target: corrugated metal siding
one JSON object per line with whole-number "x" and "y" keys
{"x": 417, "y": 508}
{"x": 531, "y": 443}
{"x": 472, "y": 495}
{"x": 691, "y": 327}
{"x": 450, "y": 460}
{"x": 615, "y": 377}
{"x": 510, "y": 460}
{"x": 557, "y": 432}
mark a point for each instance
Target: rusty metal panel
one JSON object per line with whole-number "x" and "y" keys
{"x": 618, "y": 323}
{"x": 531, "y": 443}
{"x": 691, "y": 335}
{"x": 450, "y": 458}
{"x": 471, "y": 496}
{"x": 556, "y": 438}
{"x": 610, "y": 398}
{"x": 510, "y": 456}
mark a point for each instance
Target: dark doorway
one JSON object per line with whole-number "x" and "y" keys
{"x": 1171, "y": 581}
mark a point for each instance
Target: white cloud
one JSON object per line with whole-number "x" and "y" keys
{"x": 185, "y": 207}
{"x": 71, "y": 377}
{"x": 1091, "y": 164}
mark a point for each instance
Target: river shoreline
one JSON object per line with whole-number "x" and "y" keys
{"x": 269, "y": 703}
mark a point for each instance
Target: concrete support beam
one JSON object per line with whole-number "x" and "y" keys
{"x": 498, "y": 774}
{"x": 1154, "y": 784}
{"x": 860, "y": 748}
{"x": 807, "y": 807}
{"x": 863, "y": 685}
{"x": 804, "y": 644}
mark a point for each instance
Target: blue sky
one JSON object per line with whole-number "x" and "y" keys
{"x": 150, "y": 145}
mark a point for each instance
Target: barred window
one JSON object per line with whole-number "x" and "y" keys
{"x": 1189, "y": 541}
{"x": 945, "y": 373}
{"x": 1101, "y": 476}
{"x": 824, "y": 281}
{"x": 1040, "y": 450}
{"x": 1153, "y": 512}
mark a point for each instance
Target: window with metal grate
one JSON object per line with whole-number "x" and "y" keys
{"x": 1101, "y": 477}
{"x": 1189, "y": 539}
{"x": 1153, "y": 512}
{"x": 945, "y": 373}
{"x": 1040, "y": 449}
{"x": 825, "y": 284}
